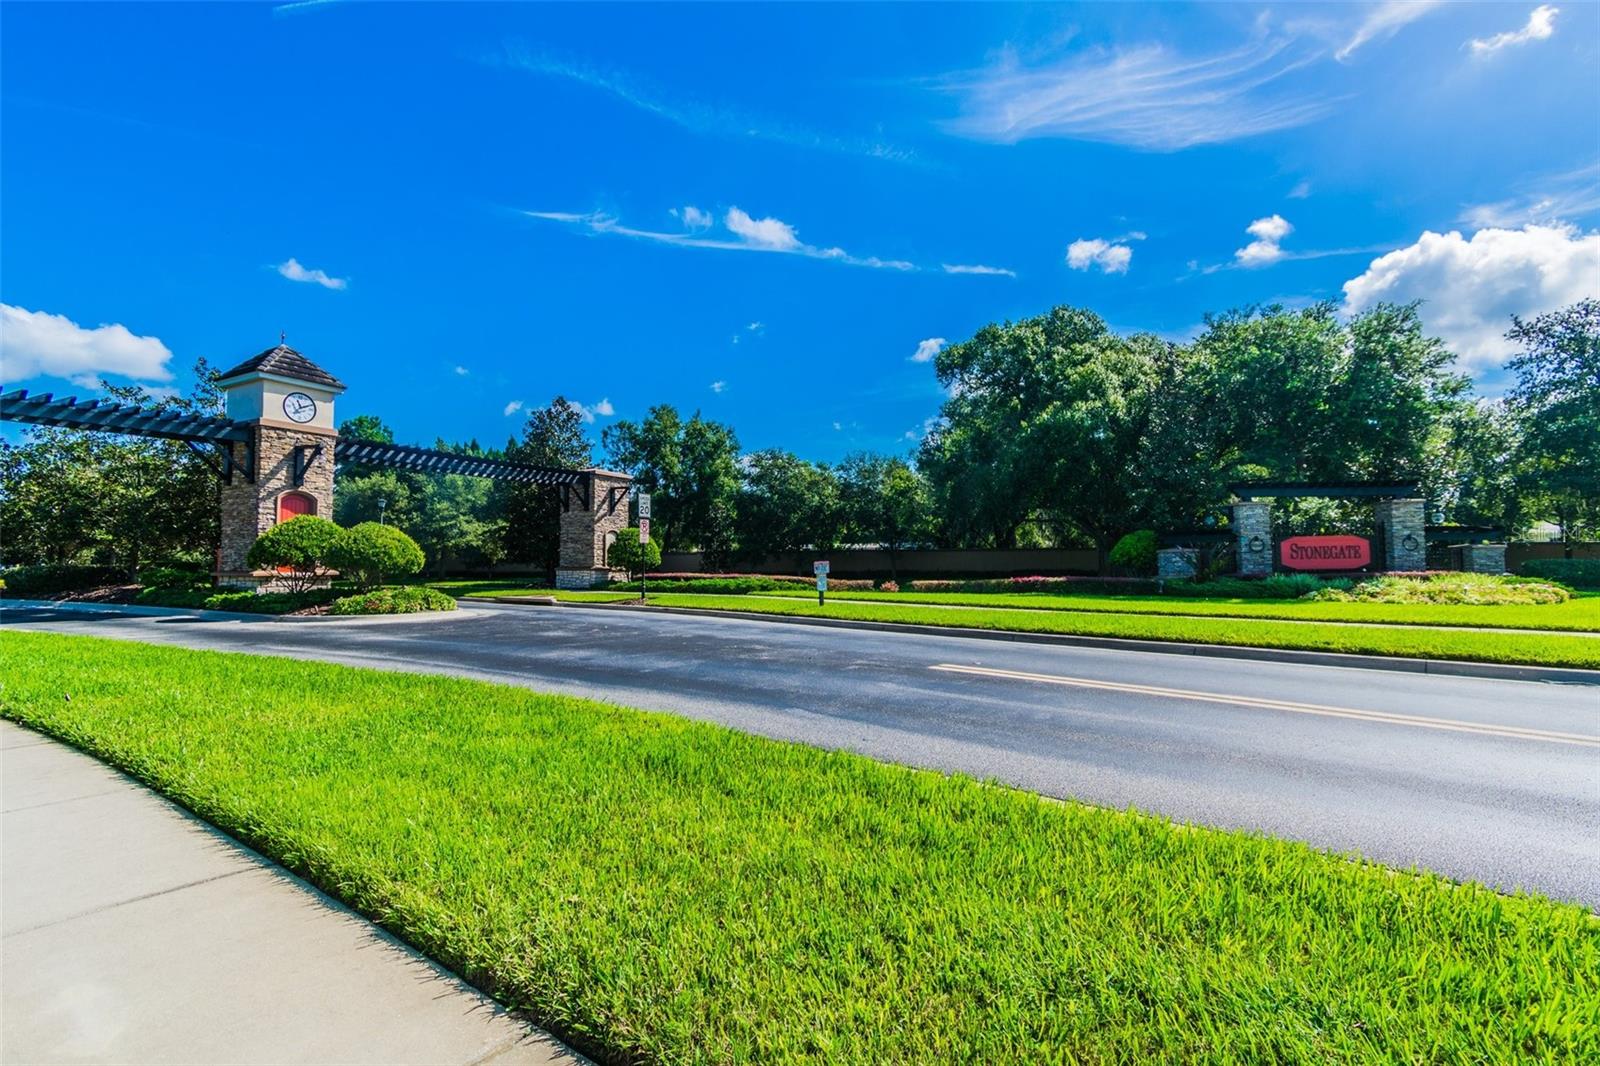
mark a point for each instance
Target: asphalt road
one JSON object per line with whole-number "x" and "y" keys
{"x": 1496, "y": 781}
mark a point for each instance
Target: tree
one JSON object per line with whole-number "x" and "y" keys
{"x": 691, "y": 468}
{"x": 368, "y": 552}
{"x": 1051, "y": 414}
{"x": 70, "y": 495}
{"x": 628, "y": 554}
{"x": 531, "y": 529}
{"x": 786, "y": 504}
{"x": 886, "y": 502}
{"x": 299, "y": 547}
{"x": 1557, "y": 400}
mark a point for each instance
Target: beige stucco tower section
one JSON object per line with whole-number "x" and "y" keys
{"x": 589, "y": 527}
{"x": 286, "y": 401}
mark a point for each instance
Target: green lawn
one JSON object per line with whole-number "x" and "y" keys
{"x": 1531, "y": 648}
{"x": 664, "y": 890}
{"x": 1581, "y": 613}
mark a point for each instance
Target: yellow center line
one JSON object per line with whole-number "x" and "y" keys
{"x": 1386, "y": 717}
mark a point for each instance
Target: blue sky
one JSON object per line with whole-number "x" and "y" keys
{"x": 768, "y": 213}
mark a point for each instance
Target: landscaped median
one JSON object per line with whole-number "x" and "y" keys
{"x": 658, "y": 889}
{"x": 1407, "y": 641}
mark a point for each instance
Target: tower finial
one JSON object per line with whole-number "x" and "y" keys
{"x": 282, "y": 337}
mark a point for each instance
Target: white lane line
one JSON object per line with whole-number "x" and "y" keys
{"x": 1386, "y": 717}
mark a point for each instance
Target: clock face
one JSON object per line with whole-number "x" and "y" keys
{"x": 299, "y": 407}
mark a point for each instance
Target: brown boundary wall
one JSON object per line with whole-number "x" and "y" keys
{"x": 874, "y": 562}
{"x": 1519, "y": 553}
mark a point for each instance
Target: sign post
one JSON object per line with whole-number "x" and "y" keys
{"x": 644, "y": 539}
{"x": 820, "y": 568}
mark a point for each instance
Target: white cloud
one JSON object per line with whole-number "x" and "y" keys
{"x": 604, "y": 409}
{"x": 764, "y": 232}
{"x": 756, "y": 327}
{"x": 837, "y": 426}
{"x": 462, "y": 371}
{"x": 1541, "y": 26}
{"x": 512, "y": 408}
{"x": 928, "y": 426}
{"x": 1110, "y": 256}
{"x": 34, "y": 343}
{"x": 748, "y": 235}
{"x": 291, "y": 269}
{"x": 977, "y": 268}
{"x": 693, "y": 218}
{"x": 588, "y": 413}
{"x": 718, "y": 386}
{"x": 1384, "y": 21}
{"x": 1300, "y": 191}
{"x": 1145, "y": 96}
{"x": 1268, "y": 233}
{"x": 927, "y": 349}
{"x": 1470, "y": 288}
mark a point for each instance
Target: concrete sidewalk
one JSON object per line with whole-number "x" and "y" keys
{"x": 134, "y": 933}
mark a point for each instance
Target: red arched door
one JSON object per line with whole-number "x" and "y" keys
{"x": 295, "y": 504}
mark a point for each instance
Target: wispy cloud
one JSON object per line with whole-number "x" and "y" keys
{"x": 1384, "y": 21}
{"x": 462, "y": 371}
{"x": 1301, "y": 191}
{"x": 1568, "y": 196}
{"x": 1146, "y": 96}
{"x": 746, "y": 234}
{"x": 718, "y": 386}
{"x": 1541, "y": 25}
{"x": 978, "y": 268}
{"x": 512, "y": 408}
{"x": 697, "y": 116}
{"x": 291, "y": 269}
{"x": 927, "y": 349}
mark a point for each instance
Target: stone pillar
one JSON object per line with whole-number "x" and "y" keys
{"x": 1404, "y": 542}
{"x": 1177, "y": 563}
{"x": 1480, "y": 558}
{"x": 1252, "y": 532}
{"x": 589, "y": 527}
{"x": 248, "y": 510}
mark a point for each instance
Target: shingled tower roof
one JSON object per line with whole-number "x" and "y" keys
{"x": 284, "y": 361}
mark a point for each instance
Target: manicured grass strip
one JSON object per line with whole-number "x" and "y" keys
{"x": 1543, "y": 649}
{"x": 659, "y": 889}
{"x": 1581, "y": 613}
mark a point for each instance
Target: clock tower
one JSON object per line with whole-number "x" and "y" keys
{"x": 285, "y": 469}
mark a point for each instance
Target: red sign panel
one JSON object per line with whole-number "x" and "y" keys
{"x": 1325, "y": 553}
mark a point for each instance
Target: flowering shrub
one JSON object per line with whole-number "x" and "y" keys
{"x": 889, "y": 586}
{"x": 737, "y": 584}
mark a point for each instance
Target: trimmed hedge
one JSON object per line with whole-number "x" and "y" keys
{"x": 1113, "y": 586}
{"x": 734, "y": 585}
{"x": 1579, "y": 573}
{"x": 1457, "y": 588}
{"x": 237, "y": 600}
{"x": 404, "y": 599}
{"x": 48, "y": 579}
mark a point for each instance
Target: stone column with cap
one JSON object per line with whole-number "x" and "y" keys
{"x": 286, "y": 402}
{"x": 1400, "y": 523}
{"x": 1252, "y": 531}
{"x": 592, "y": 517}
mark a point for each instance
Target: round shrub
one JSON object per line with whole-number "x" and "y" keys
{"x": 628, "y": 554}
{"x": 299, "y": 546}
{"x": 1136, "y": 553}
{"x": 369, "y": 552}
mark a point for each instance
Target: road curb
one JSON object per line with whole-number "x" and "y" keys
{"x": 1441, "y": 667}
{"x": 203, "y": 615}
